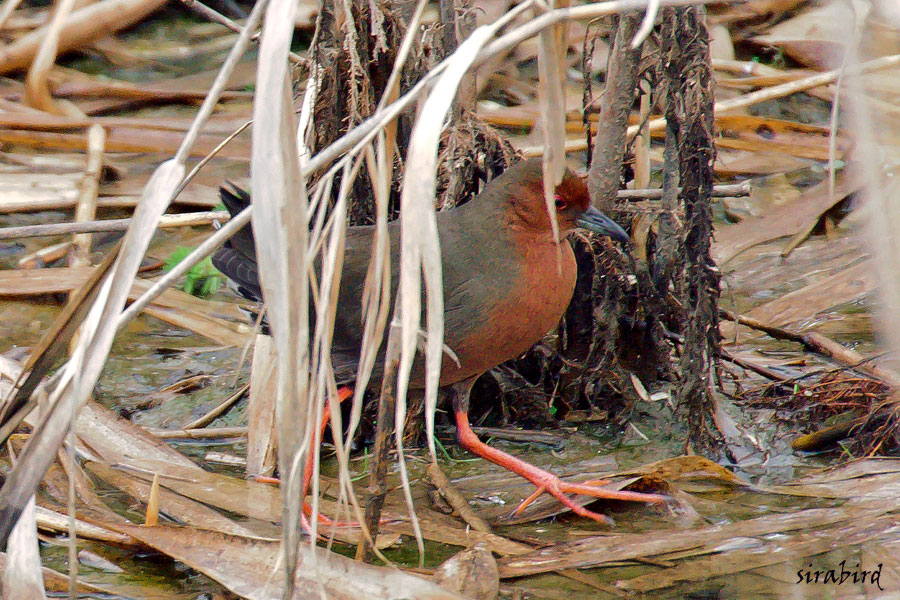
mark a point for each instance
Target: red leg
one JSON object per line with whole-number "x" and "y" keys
{"x": 343, "y": 393}
{"x": 544, "y": 480}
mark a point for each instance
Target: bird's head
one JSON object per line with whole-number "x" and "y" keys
{"x": 524, "y": 187}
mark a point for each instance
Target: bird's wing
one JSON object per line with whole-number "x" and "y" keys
{"x": 236, "y": 259}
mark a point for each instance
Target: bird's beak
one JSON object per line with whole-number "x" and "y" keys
{"x": 594, "y": 220}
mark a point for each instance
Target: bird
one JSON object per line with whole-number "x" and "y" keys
{"x": 507, "y": 281}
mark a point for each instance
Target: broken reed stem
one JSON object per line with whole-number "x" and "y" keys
{"x": 182, "y": 220}
{"x": 197, "y": 434}
{"x": 384, "y": 427}
{"x": 771, "y": 93}
{"x": 208, "y": 217}
{"x": 731, "y": 190}
{"x": 217, "y": 17}
{"x": 52, "y": 347}
{"x": 218, "y": 410}
{"x": 819, "y": 344}
{"x": 455, "y": 499}
{"x": 86, "y": 209}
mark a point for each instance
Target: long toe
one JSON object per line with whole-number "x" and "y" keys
{"x": 601, "y": 492}
{"x": 553, "y": 485}
{"x": 545, "y": 481}
{"x": 566, "y": 501}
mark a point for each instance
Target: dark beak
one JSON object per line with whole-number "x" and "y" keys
{"x": 594, "y": 220}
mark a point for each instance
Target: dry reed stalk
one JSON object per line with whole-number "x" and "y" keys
{"x": 86, "y": 209}
{"x": 82, "y": 26}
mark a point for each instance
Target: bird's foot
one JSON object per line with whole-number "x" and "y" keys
{"x": 267, "y": 479}
{"x": 549, "y": 483}
{"x": 545, "y": 481}
{"x": 326, "y": 521}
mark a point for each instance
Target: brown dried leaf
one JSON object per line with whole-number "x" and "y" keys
{"x": 250, "y": 568}
{"x": 783, "y": 221}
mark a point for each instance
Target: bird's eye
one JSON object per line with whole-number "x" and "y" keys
{"x": 560, "y": 203}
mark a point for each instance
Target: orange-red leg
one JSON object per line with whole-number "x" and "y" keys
{"x": 544, "y": 480}
{"x": 343, "y": 393}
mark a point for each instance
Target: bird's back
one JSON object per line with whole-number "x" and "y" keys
{"x": 502, "y": 293}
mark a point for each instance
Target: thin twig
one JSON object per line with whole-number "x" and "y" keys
{"x": 820, "y": 344}
{"x": 198, "y": 434}
{"x": 383, "y": 429}
{"x": 48, "y": 229}
{"x": 731, "y": 190}
{"x": 218, "y": 410}
{"x": 203, "y": 162}
{"x": 455, "y": 499}
{"x": 217, "y": 17}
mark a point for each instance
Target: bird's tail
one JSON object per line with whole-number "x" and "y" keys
{"x": 237, "y": 258}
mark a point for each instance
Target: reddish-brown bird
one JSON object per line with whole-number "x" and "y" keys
{"x": 506, "y": 282}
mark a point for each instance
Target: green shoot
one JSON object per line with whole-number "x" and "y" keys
{"x": 203, "y": 280}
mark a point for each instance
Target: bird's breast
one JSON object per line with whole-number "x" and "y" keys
{"x": 531, "y": 304}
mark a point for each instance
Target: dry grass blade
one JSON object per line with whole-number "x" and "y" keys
{"x": 50, "y": 520}
{"x": 52, "y": 347}
{"x": 37, "y": 90}
{"x": 80, "y": 373}
{"x": 764, "y": 553}
{"x": 87, "y": 23}
{"x": 377, "y": 289}
{"x": 280, "y": 226}
{"x": 190, "y": 137}
{"x": 199, "y": 253}
{"x": 9, "y": 6}
{"x": 419, "y": 248}
{"x": 172, "y": 502}
{"x": 326, "y": 306}
{"x": 376, "y": 301}
{"x": 376, "y": 294}
{"x": 245, "y": 566}
{"x": 552, "y": 103}
{"x": 646, "y": 24}
{"x": 582, "y": 11}
{"x": 606, "y": 550}
{"x": 22, "y": 577}
{"x": 219, "y": 84}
